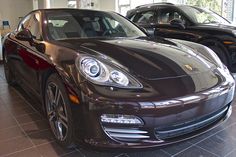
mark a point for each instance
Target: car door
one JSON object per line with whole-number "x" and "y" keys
{"x": 146, "y": 19}
{"x": 166, "y": 29}
{"x": 29, "y": 55}
{"x": 12, "y": 47}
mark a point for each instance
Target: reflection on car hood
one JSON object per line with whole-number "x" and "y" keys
{"x": 223, "y": 27}
{"x": 143, "y": 57}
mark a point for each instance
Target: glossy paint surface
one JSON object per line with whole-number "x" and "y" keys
{"x": 213, "y": 34}
{"x": 180, "y": 85}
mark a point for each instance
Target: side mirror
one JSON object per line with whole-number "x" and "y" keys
{"x": 24, "y": 35}
{"x": 40, "y": 47}
{"x": 177, "y": 23}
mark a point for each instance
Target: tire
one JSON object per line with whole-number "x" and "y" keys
{"x": 9, "y": 75}
{"x": 220, "y": 54}
{"x": 58, "y": 111}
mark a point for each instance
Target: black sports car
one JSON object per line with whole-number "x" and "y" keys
{"x": 189, "y": 23}
{"x": 103, "y": 82}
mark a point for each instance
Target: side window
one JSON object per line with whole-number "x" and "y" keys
{"x": 166, "y": 15}
{"x": 34, "y": 26}
{"x": 146, "y": 17}
{"x": 24, "y": 23}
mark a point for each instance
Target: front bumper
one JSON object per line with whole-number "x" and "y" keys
{"x": 164, "y": 122}
{"x": 124, "y": 136}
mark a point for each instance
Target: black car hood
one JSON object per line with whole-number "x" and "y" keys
{"x": 143, "y": 57}
{"x": 223, "y": 27}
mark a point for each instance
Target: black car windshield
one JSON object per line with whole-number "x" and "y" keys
{"x": 203, "y": 16}
{"x": 67, "y": 24}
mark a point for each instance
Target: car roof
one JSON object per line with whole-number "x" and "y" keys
{"x": 154, "y": 4}
{"x": 66, "y": 9}
{"x": 159, "y": 4}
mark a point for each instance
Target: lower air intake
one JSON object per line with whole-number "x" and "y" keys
{"x": 126, "y": 135}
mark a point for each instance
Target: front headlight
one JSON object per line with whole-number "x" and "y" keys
{"x": 104, "y": 74}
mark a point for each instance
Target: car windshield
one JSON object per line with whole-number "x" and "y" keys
{"x": 67, "y": 24}
{"x": 203, "y": 16}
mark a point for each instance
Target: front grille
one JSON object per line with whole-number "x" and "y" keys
{"x": 182, "y": 129}
{"x": 126, "y": 135}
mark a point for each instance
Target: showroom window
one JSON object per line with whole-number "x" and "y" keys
{"x": 124, "y": 6}
{"x": 72, "y": 3}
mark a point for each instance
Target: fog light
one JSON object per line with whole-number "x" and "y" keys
{"x": 120, "y": 119}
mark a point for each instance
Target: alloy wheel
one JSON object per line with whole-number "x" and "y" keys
{"x": 56, "y": 111}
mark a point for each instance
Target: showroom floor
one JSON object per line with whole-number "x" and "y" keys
{"x": 25, "y": 133}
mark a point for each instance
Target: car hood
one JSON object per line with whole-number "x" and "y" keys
{"x": 223, "y": 27}
{"x": 144, "y": 57}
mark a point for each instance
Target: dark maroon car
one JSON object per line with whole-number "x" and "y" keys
{"x": 103, "y": 82}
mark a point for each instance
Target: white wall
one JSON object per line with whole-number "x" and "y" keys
{"x": 58, "y": 3}
{"x": 11, "y": 10}
{"x": 107, "y": 5}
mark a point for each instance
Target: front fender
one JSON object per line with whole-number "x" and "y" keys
{"x": 199, "y": 50}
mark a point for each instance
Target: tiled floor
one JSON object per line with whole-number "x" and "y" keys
{"x": 25, "y": 133}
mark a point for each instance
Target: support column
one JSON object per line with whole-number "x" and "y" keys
{"x": 35, "y": 4}
{"x": 78, "y": 4}
{"x": 43, "y": 4}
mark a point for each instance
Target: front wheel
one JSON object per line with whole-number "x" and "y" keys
{"x": 59, "y": 111}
